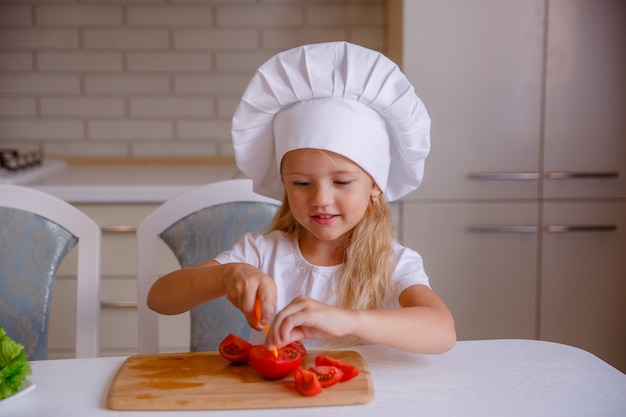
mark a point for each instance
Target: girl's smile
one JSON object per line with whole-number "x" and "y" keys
{"x": 324, "y": 219}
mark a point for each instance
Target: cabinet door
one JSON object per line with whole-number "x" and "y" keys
{"x": 477, "y": 65}
{"x": 585, "y": 124}
{"x": 482, "y": 260}
{"x": 583, "y": 280}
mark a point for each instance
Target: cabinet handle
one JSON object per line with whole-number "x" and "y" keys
{"x": 118, "y": 304}
{"x": 504, "y": 175}
{"x": 566, "y": 175}
{"x": 581, "y": 228}
{"x": 118, "y": 229}
{"x": 502, "y": 229}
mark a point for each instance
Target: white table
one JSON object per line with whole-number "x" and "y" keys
{"x": 503, "y": 378}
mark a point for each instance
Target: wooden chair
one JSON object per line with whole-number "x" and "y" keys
{"x": 197, "y": 226}
{"x": 37, "y": 230}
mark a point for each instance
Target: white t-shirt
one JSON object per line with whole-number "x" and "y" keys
{"x": 279, "y": 257}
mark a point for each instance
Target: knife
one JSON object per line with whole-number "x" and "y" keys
{"x": 257, "y": 313}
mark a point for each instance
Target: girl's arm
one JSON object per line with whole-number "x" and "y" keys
{"x": 423, "y": 324}
{"x": 183, "y": 289}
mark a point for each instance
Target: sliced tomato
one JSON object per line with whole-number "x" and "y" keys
{"x": 327, "y": 375}
{"x": 306, "y": 382}
{"x": 235, "y": 349}
{"x": 270, "y": 366}
{"x": 349, "y": 371}
{"x": 299, "y": 346}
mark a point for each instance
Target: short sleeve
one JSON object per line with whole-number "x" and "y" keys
{"x": 409, "y": 271}
{"x": 248, "y": 249}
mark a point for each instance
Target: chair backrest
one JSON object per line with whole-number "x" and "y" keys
{"x": 37, "y": 230}
{"x": 197, "y": 226}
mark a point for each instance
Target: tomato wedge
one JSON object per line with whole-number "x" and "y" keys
{"x": 306, "y": 382}
{"x": 270, "y": 366}
{"x": 235, "y": 349}
{"x": 349, "y": 371}
{"x": 299, "y": 346}
{"x": 327, "y": 375}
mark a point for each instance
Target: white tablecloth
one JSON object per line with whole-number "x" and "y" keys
{"x": 503, "y": 378}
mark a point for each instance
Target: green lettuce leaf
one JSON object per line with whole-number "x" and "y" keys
{"x": 14, "y": 366}
{"x": 9, "y": 349}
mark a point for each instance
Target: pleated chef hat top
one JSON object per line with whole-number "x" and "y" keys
{"x": 338, "y": 97}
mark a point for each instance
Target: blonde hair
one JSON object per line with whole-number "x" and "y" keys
{"x": 368, "y": 263}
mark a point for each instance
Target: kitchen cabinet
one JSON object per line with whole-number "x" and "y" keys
{"x": 476, "y": 219}
{"x": 484, "y": 272}
{"x": 118, "y": 316}
{"x": 583, "y": 269}
{"x": 583, "y": 277}
{"x": 522, "y": 212}
{"x": 477, "y": 66}
{"x": 585, "y": 100}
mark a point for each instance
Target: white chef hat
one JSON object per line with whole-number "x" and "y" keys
{"x": 334, "y": 96}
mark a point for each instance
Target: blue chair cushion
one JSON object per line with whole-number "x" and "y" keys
{"x": 200, "y": 237}
{"x": 31, "y": 250}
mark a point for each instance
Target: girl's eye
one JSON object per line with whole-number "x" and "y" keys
{"x": 301, "y": 183}
{"x": 343, "y": 182}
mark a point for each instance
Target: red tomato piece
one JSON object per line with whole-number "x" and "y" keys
{"x": 270, "y": 366}
{"x": 327, "y": 375}
{"x": 235, "y": 349}
{"x": 306, "y": 382}
{"x": 349, "y": 371}
{"x": 299, "y": 346}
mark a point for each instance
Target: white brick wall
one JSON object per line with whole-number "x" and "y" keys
{"x": 144, "y": 78}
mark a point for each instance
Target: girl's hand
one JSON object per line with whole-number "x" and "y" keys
{"x": 306, "y": 318}
{"x": 243, "y": 283}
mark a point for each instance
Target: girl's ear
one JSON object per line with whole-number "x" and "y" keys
{"x": 376, "y": 191}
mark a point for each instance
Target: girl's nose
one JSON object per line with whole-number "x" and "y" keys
{"x": 322, "y": 195}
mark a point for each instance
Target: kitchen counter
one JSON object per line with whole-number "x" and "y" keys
{"x": 130, "y": 183}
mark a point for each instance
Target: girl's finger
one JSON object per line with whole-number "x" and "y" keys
{"x": 266, "y": 294}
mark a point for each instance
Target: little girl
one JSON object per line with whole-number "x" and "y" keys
{"x": 334, "y": 130}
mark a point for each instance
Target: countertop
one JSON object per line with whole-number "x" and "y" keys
{"x": 128, "y": 182}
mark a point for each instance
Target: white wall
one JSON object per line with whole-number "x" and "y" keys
{"x": 143, "y": 78}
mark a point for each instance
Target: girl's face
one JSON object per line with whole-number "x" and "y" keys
{"x": 328, "y": 193}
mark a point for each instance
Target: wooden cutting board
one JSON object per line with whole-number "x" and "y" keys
{"x": 206, "y": 381}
